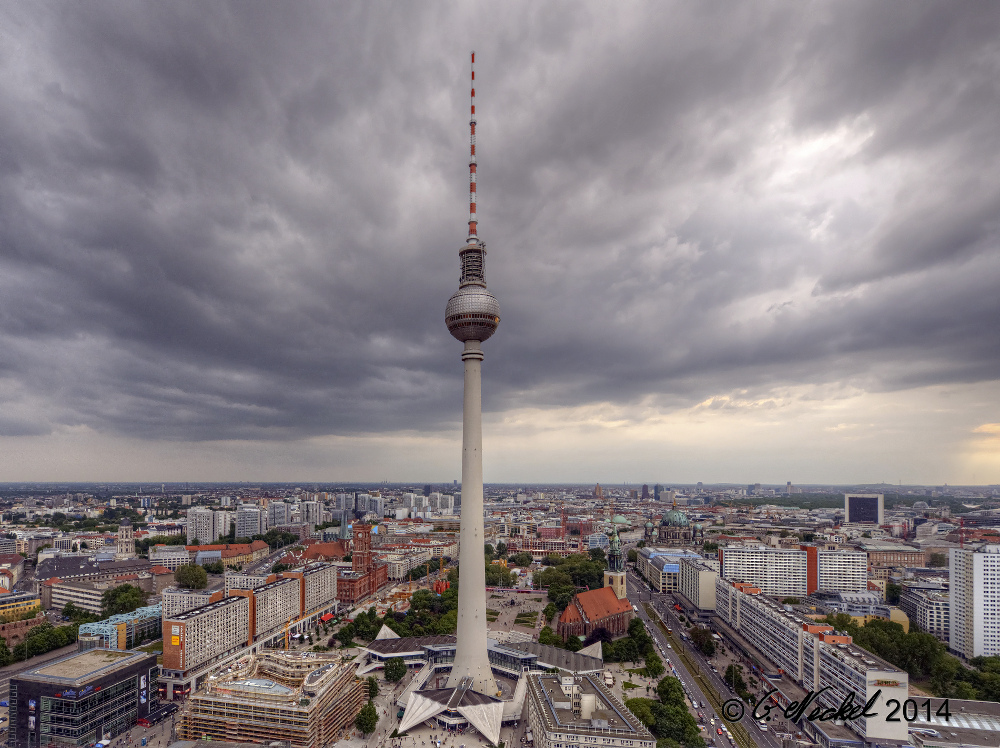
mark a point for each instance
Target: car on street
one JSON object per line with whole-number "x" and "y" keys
{"x": 718, "y": 730}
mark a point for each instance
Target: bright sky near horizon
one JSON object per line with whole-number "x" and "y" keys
{"x": 743, "y": 243}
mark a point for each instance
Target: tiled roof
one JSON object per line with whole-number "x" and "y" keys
{"x": 570, "y": 615}
{"x": 160, "y": 570}
{"x": 601, "y": 603}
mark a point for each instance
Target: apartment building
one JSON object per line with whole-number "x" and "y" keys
{"x": 250, "y": 520}
{"x": 176, "y": 601}
{"x": 272, "y": 605}
{"x": 204, "y": 526}
{"x": 696, "y": 582}
{"x": 816, "y": 657}
{"x": 278, "y": 513}
{"x": 311, "y": 513}
{"x": 927, "y": 604}
{"x": 318, "y": 586}
{"x": 197, "y": 638}
{"x": 795, "y": 572}
{"x": 974, "y": 606}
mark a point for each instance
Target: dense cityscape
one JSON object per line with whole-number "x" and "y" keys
{"x": 257, "y": 613}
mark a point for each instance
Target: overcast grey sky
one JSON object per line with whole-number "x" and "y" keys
{"x": 731, "y": 242}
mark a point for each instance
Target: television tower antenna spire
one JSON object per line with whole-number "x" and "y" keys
{"x": 472, "y": 156}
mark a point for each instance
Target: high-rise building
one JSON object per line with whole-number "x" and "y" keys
{"x": 278, "y": 513}
{"x": 311, "y": 513}
{"x": 645, "y": 492}
{"x": 974, "y": 615}
{"x": 201, "y": 526}
{"x": 868, "y": 508}
{"x": 250, "y": 521}
{"x": 472, "y": 316}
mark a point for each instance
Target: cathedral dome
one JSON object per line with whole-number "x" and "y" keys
{"x": 674, "y": 518}
{"x": 620, "y": 520}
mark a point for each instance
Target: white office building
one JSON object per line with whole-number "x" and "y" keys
{"x": 311, "y": 513}
{"x": 975, "y": 601}
{"x": 250, "y": 521}
{"x": 202, "y": 525}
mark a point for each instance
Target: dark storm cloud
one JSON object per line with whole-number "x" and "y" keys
{"x": 242, "y": 221}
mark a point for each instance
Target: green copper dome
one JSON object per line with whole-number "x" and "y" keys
{"x": 620, "y": 520}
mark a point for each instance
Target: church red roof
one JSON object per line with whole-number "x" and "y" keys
{"x": 601, "y": 603}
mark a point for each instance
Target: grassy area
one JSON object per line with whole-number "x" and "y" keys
{"x": 629, "y": 684}
{"x": 527, "y": 619}
{"x": 491, "y": 615}
{"x": 154, "y": 647}
{"x": 743, "y": 738}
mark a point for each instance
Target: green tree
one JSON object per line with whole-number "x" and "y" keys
{"x": 6, "y": 656}
{"x": 654, "y": 665}
{"x": 372, "y": 686}
{"x": 633, "y": 555}
{"x": 395, "y": 669}
{"x": 215, "y": 567}
{"x": 702, "y": 638}
{"x": 501, "y": 550}
{"x": 522, "y": 558}
{"x": 734, "y": 678}
{"x": 489, "y": 551}
{"x": 670, "y": 691}
{"x": 549, "y": 637}
{"x": 191, "y": 577}
{"x": 549, "y": 612}
{"x": 346, "y": 635}
{"x": 892, "y": 593}
{"x": 597, "y": 554}
{"x": 937, "y": 560}
{"x": 122, "y": 599}
{"x": 367, "y": 719}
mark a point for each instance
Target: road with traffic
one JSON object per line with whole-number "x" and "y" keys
{"x": 638, "y": 594}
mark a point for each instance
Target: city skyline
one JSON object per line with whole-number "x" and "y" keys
{"x": 738, "y": 246}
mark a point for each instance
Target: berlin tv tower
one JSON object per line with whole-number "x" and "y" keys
{"x": 472, "y": 316}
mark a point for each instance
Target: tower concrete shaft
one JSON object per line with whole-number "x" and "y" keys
{"x": 471, "y": 659}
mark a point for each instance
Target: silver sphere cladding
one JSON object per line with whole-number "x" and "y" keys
{"x": 473, "y": 313}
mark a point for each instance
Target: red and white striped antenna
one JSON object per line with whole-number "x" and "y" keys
{"x": 472, "y": 158}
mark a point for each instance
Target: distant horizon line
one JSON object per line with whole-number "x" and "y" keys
{"x": 450, "y": 484}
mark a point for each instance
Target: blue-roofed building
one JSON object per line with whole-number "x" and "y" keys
{"x": 660, "y": 567}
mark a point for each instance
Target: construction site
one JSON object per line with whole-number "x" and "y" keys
{"x": 304, "y": 698}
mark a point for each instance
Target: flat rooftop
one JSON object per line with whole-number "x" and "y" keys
{"x": 84, "y": 666}
{"x": 609, "y": 718}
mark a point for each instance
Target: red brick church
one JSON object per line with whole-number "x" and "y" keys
{"x": 594, "y": 610}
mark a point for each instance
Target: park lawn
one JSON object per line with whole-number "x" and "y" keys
{"x": 629, "y": 684}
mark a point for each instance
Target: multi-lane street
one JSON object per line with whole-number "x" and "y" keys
{"x": 638, "y": 594}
